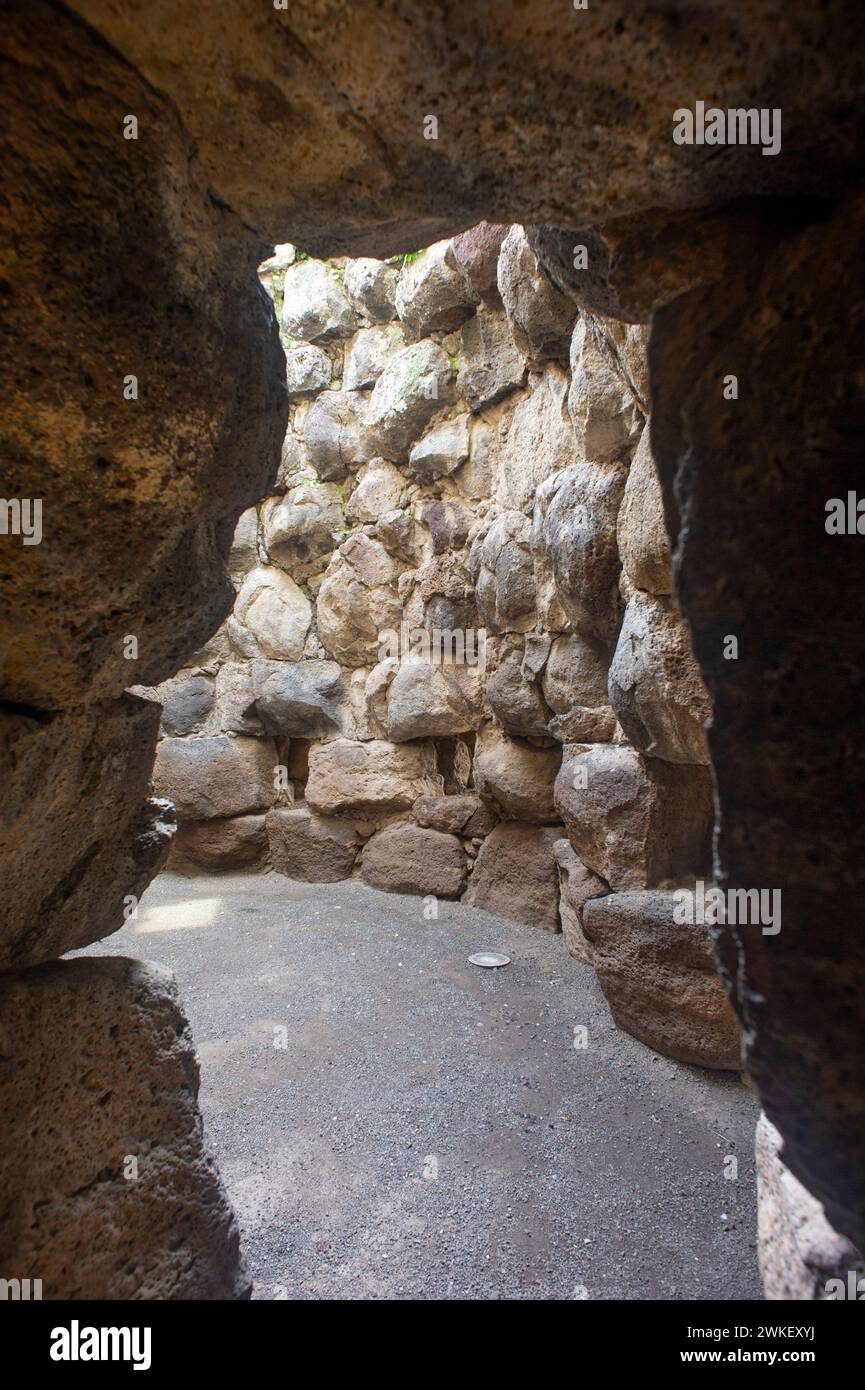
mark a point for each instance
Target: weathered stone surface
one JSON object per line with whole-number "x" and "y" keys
{"x": 574, "y": 685}
{"x": 371, "y": 287}
{"x": 275, "y": 612}
{"x": 660, "y": 979}
{"x": 642, "y": 534}
{"x": 155, "y": 483}
{"x": 301, "y": 527}
{"x": 243, "y": 555}
{"x": 575, "y": 529}
{"x": 187, "y": 701}
{"x": 755, "y": 561}
{"x": 433, "y": 295}
{"x": 491, "y": 364}
{"x": 373, "y": 778}
{"x": 409, "y": 859}
{"x": 517, "y": 778}
{"x": 502, "y": 568}
{"x": 334, "y": 434}
{"x": 358, "y": 602}
{"x": 477, "y": 254}
{"x": 637, "y": 822}
{"x": 515, "y": 875}
{"x": 607, "y": 420}
{"x": 300, "y": 699}
{"x": 442, "y": 450}
{"x": 426, "y": 701}
{"x": 368, "y": 352}
{"x": 308, "y": 369}
{"x": 799, "y": 1252}
{"x": 378, "y": 492}
{"x": 309, "y": 847}
{"x": 234, "y": 707}
{"x": 66, "y": 874}
{"x": 415, "y": 384}
{"x": 217, "y": 777}
{"x": 540, "y": 441}
{"x": 315, "y": 306}
{"x": 577, "y": 885}
{"x": 541, "y": 318}
{"x": 655, "y": 684}
{"x": 101, "y": 1066}
{"x": 219, "y": 846}
{"x": 448, "y": 813}
{"x": 514, "y": 696}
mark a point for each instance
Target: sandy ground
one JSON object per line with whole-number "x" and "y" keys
{"x": 392, "y": 1122}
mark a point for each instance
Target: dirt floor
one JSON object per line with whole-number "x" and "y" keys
{"x": 392, "y": 1122}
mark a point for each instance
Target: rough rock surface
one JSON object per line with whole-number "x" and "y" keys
{"x": 121, "y": 1200}
{"x": 209, "y": 778}
{"x": 373, "y": 777}
{"x": 798, "y": 1250}
{"x": 313, "y": 848}
{"x": 409, "y": 859}
{"x": 660, "y": 978}
{"x": 636, "y": 822}
{"x": 515, "y": 875}
{"x": 220, "y": 846}
{"x": 517, "y": 778}
{"x": 577, "y": 885}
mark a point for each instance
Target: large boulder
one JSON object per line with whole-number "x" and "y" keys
{"x": 414, "y": 385}
{"x": 577, "y": 885}
{"x": 798, "y": 1250}
{"x": 371, "y": 287}
{"x": 655, "y": 684}
{"x": 378, "y": 491}
{"x": 358, "y": 601}
{"x": 637, "y": 822}
{"x": 274, "y": 612}
{"x": 541, "y": 318}
{"x": 516, "y": 777}
{"x": 513, "y": 693}
{"x": 515, "y": 875}
{"x": 410, "y": 859}
{"x": 368, "y": 352}
{"x": 219, "y": 846}
{"x": 334, "y": 434}
{"x": 502, "y": 567}
{"x": 315, "y": 306}
{"x": 298, "y": 699}
{"x": 660, "y": 978}
{"x": 310, "y": 847}
{"x": 491, "y": 364}
{"x": 433, "y": 295}
{"x": 121, "y": 1201}
{"x": 209, "y": 778}
{"x": 575, "y": 530}
{"x": 644, "y": 545}
{"x": 428, "y": 701}
{"x": 441, "y": 450}
{"x": 301, "y": 527}
{"x": 369, "y": 779}
{"x": 187, "y": 702}
{"x": 477, "y": 254}
{"x": 540, "y": 440}
{"x": 606, "y": 417}
{"x": 308, "y": 370}
{"x": 574, "y": 685}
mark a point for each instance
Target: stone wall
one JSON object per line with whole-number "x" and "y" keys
{"x": 454, "y": 665}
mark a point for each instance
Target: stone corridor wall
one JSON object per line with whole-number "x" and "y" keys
{"x": 454, "y": 665}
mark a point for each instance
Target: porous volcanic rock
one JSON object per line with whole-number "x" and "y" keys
{"x": 309, "y": 847}
{"x": 410, "y": 859}
{"x": 208, "y": 778}
{"x": 370, "y": 778}
{"x": 121, "y": 1200}
{"x": 660, "y": 979}
{"x": 515, "y": 875}
{"x": 220, "y": 846}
